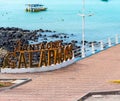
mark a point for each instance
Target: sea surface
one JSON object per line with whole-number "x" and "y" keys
{"x": 63, "y": 16}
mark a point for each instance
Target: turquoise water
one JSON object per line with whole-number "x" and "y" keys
{"x": 62, "y": 16}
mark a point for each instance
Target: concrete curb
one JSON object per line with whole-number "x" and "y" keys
{"x": 99, "y": 93}
{"x": 15, "y": 85}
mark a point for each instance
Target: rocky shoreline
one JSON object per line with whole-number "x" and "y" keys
{"x": 9, "y": 36}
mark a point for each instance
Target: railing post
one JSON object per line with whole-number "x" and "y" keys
{"x": 83, "y": 52}
{"x": 101, "y": 45}
{"x": 109, "y": 42}
{"x": 116, "y": 39}
{"x": 93, "y": 48}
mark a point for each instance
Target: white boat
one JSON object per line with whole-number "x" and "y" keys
{"x": 35, "y": 8}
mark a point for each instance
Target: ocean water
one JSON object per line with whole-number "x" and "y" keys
{"x": 62, "y": 16}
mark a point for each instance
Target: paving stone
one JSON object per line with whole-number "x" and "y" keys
{"x": 71, "y": 83}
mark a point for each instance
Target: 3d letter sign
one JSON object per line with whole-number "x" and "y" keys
{"x": 37, "y": 55}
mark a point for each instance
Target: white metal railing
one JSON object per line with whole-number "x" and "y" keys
{"x": 103, "y": 44}
{"x": 97, "y": 46}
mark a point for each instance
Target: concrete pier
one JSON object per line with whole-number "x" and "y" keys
{"x": 71, "y": 83}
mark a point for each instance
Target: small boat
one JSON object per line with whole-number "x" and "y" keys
{"x": 35, "y": 8}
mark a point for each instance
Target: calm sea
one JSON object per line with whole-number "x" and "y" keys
{"x": 62, "y": 16}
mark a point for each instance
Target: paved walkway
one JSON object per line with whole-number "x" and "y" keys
{"x": 70, "y": 83}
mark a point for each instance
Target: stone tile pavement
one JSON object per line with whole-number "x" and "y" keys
{"x": 71, "y": 83}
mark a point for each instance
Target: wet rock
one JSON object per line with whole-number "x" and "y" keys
{"x": 74, "y": 41}
{"x": 54, "y": 36}
{"x": 65, "y": 36}
{"x": 44, "y": 35}
{"x": 84, "y": 42}
{"x": 17, "y": 35}
{"x": 45, "y": 38}
{"x": 40, "y": 35}
{"x": 40, "y": 30}
{"x": 61, "y": 37}
{"x": 47, "y": 31}
{"x": 72, "y": 34}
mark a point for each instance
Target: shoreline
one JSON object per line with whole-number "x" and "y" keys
{"x": 10, "y": 35}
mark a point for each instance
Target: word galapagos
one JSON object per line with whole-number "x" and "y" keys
{"x": 38, "y": 55}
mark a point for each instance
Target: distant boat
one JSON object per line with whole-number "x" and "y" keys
{"x": 35, "y": 8}
{"x": 105, "y": 0}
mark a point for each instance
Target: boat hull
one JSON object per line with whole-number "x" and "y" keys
{"x": 36, "y": 10}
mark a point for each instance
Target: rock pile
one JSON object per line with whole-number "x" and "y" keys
{"x": 9, "y": 36}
